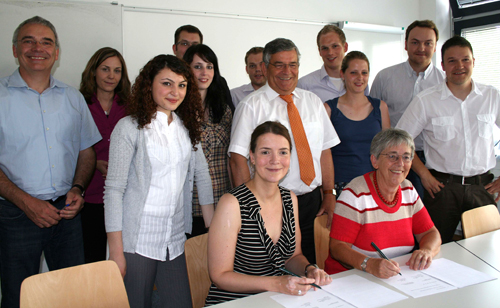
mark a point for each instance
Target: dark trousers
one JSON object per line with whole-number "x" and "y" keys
{"x": 170, "y": 277}
{"x": 309, "y": 205}
{"x": 22, "y": 243}
{"x": 454, "y": 198}
{"x": 415, "y": 179}
{"x": 94, "y": 232}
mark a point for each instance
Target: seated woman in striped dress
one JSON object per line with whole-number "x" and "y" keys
{"x": 255, "y": 231}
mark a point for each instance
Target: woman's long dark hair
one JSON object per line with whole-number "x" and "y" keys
{"x": 142, "y": 107}
{"x": 217, "y": 98}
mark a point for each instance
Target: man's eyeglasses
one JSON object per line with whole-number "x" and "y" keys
{"x": 393, "y": 157}
{"x": 28, "y": 42}
{"x": 187, "y": 44}
{"x": 281, "y": 65}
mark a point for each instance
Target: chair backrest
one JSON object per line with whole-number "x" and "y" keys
{"x": 196, "y": 260}
{"x": 98, "y": 284}
{"x": 321, "y": 240}
{"x": 480, "y": 220}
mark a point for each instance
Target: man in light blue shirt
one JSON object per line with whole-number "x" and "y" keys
{"x": 253, "y": 66}
{"x": 397, "y": 85}
{"x": 326, "y": 82}
{"x": 46, "y": 161}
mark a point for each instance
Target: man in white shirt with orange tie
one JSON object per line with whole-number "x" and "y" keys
{"x": 274, "y": 102}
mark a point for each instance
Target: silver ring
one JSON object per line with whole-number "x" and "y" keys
{"x": 300, "y": 292}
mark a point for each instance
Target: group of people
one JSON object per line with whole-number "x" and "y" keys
{"x": 144, "y": 166}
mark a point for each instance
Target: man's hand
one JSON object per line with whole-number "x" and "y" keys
{"x": 431, "y": 184}
{"x": 74, "y": 203}
{"x": 328, "y": 206}
{"x": 42, "y": 213}
{"x": 493, "y": 188}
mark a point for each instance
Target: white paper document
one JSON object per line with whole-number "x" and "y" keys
{"x": 443, "y": 275}
{"x": 312, "y": 299}
{"x": 351, "y": 291}
{"x": 417, "y": 284}
{"x": 456, "y": 274}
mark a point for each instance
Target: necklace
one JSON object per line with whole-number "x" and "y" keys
{"x": 393, "y": 202}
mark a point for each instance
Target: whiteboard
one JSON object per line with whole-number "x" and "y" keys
{"x": 149, "y": 33}
{"x": 82, "y": 30}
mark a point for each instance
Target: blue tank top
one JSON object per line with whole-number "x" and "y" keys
{"x": 351, "y": 158}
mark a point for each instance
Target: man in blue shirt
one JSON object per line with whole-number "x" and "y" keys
{"x": 46, "y": 161}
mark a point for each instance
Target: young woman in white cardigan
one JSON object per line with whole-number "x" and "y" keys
{"x": 154, "y": 158}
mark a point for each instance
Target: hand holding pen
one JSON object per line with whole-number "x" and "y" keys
{"x": 384, "y": 268}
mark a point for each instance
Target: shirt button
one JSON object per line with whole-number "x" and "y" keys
{"x": 54, "y": 184}
{"x": 53, "y": 166}
{"x": 44, "y": 111}
{"x": 47, "y": 128}
{"x": 50, "y": 147}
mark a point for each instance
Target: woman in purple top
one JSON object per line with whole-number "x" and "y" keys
{"x": 106, "y": 88}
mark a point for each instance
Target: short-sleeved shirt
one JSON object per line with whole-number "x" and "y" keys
{"x": 41, "y": 135}
{"x": 361, "y": 217}
{"x": 319, "y": 83}
{"x": 266, "y": 105}
{"x": 397, "y": 86}
{"x": 458, "y": 135}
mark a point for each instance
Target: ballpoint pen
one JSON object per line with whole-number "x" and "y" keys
{"x": 382, "y": 254}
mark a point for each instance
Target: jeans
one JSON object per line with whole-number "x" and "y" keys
{"x": 22, "y": 243}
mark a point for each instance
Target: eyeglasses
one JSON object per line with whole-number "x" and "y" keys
{"x": 28, "y": 42}
{"x": 187, "y": 44}
{"x": 281, "y": 65}
{"x": 393, "y": 157}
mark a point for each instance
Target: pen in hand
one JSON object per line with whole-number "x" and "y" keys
{"x": 381, "y": 254}
{"x": 293, "y": 274}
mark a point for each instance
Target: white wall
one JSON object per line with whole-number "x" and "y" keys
{"x": 225, "y": 40}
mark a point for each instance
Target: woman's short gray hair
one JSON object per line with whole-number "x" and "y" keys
{"x": 36, "y": 20}
{"x": 389, "y": 138}
{"x": 278, "y": 45}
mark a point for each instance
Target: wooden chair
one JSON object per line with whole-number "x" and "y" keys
{"x": 98, "y": 284}
{"x": 196, "y": 260}
{"x": 321, "y": 240}
{"x": 480, "y": 220}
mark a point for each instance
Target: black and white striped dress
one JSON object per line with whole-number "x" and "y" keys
{"x": 255, "y": 252}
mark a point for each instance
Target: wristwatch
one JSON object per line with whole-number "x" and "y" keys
{"x": 365, "y": 262}
{"x": 310, "y": 264}
{"x": 330, "y": 191}
{"x": 80, "y": 187}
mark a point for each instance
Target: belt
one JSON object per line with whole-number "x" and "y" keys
{"x": 57, "y": 200}
{"x": 480, "y": 179}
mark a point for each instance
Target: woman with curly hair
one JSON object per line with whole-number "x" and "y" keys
{"x": 106, "y": 88}
{"x": 216, "y": 125}
{"x": 154, "y": 158}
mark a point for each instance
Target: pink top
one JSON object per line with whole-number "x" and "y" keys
{"x": 105, "y": 124}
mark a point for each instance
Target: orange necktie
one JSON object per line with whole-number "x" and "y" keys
{"x": 306, "y": 164}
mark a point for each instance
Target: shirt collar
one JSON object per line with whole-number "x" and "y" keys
{"x": 411, "y": 72}
{"x": 322, "y": 73}
{"x": 271, "y": 94}
{"x": 16, "y": 81}
{"x": 446, "y": 92}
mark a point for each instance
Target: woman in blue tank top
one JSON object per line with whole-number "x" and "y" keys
{"x": 357, "y": 118}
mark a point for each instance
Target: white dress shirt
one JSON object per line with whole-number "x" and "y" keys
{"x": 162, "y": 223}
{"x": 239, "y": 93}
{"x": 319, "y": 83}
{"x": 458, "y": 135}
{"x": 397, "y": 86}
{"x": 266, "y": 105}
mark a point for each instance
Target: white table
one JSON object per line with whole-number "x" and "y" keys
{"x": 482, "y": 295}
{"x": 485, "y": 246}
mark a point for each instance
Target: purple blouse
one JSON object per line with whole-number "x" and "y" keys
{"x": 105, "y": 124}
